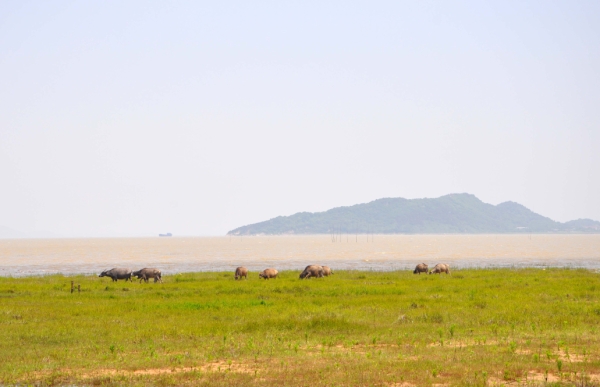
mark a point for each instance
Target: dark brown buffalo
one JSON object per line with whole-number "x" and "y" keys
{"x": 147, "y": 273}
{"x": 117, "y": 273}
{"x": 241, "y": 272}
{"x": 421, "y": 268}
{"x": 312, "y": 271}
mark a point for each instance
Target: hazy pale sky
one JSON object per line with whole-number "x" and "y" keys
{"x": 128, "y": 118}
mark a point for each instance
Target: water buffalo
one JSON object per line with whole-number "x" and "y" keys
{"x": 440, "y": 268}
{"x": 241, "y": 272}
{"x": 327, "y": 271}
{"x": 117, "y": 273}
{"x": 312, "y": 271}
{"x": 268, "y": 273}
{"x": 147, "y": 273}
{"x": 421, "y": 268}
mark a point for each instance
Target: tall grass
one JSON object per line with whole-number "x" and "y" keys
{"x": 474, "y": 327}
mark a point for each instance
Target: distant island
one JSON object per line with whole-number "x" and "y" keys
{"x": 452, "y": 214}
{"x": 165, "y": 235}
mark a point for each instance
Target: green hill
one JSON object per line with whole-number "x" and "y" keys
{"x": 455, "y": 213}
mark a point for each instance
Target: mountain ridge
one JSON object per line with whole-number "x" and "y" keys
{"x": 453, "y": 213}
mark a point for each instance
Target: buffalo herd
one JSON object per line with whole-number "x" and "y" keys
{"x": 310, "y": 271}
{"x": 144, "y": 274}
{"x": 438, "y": 269}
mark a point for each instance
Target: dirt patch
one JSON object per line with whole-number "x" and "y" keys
{"x": 536, "y": 378}
{"x": 360, "y": 348}
{"x": 571, "y": 357}
{"x": 462, "y": 344}
{"x": 532, "y": 377}
{"x": 493, "y": 381}
{"x": 449, "y": 344}
{"x": 217, "y": 366}
{"x": 542, "y": 377}
{"x": 562, "y": 355}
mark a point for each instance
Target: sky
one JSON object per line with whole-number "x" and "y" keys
{"x": 133, "y": 118}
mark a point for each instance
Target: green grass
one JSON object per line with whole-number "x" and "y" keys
{"x": 474, "y": 327}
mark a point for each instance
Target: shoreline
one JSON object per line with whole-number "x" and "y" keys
{"x": 299, "y": 269}
{"x": 371, "y": 253}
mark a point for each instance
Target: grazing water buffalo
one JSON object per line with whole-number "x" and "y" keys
{"x": 421, "y": 268}
{"x": 327, "y": 271}
{"x": 440, "y": 268}
{"x": 312, "y": 271}
{"x": 268, "y": 273}
{"x": 147, "y": 273}
{"x": 241, "y": 272}
{"x": 117, "y": 273}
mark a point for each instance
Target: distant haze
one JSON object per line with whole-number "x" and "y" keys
{"x": 137, "y": 118}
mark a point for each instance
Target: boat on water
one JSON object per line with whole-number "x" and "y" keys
{"x": 165, "y": 235}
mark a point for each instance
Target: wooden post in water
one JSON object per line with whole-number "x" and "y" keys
{"x": 72, "y": 287}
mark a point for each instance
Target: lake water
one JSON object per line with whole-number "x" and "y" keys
{"x": 21, "y": 257}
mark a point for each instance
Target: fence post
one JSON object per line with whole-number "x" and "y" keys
{"x": 72, "y": 287}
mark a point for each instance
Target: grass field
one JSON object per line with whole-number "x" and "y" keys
{"x": 474, "y": 327}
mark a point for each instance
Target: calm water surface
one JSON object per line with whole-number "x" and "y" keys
{"x": 19, "y": 257}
